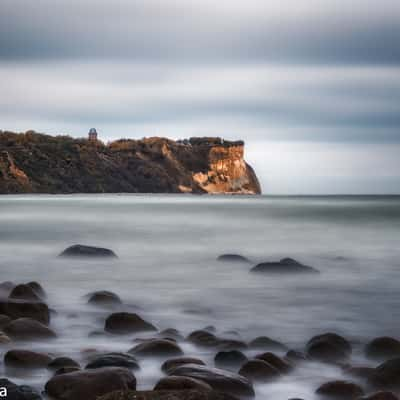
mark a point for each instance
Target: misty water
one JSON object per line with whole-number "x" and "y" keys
{"x": 167, "y": 272}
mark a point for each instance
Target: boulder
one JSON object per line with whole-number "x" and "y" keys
{"x": 168, "y": 395}
{"x": 25, "y": 309}
{"x": 231, "y": 344}
{"x": 124, "y": 323}
{"x": 66, "y": 370}
{"x": 283, "y": 366}
{"x": 62, "y": 362}
{"x": 89, "y": 384}
{"x": 122, "y": 360}
{"x": 295, "y": 356}
{"x": 380, "y": 396}
{"x": 23, "y": 292}
{"x": 26, "y": 359}
{"x": 266, "y": 343}
{"x": 28, "y": 328}
{"x": 231, "y": 360}
{"x": 341, "y": 390}
{"x": 259, "y": 371}
{"x": 173, "y": 363}
{"x": 233, "y": 258}
{"x": 19, "y": 392}
{"x": 328, "y": 347}
{"x": 386, "y": 375}
{"x": 181, "y": 383}
{"x": 203, "y": 338}
{"x": 104, "y": 298}
{"x": 358, "y": 372}
{"x": 171, "y": 333}
{"x": 284, "y": 266}
{"x": 218, "y": 379}
{"x": 157, "y": 348}
{"x": 37, "y": 288}
{"x": 383, "y": 348}
{"x": 81, "y": 251}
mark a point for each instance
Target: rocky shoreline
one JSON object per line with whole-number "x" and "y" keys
{"x": 238, "y": 368}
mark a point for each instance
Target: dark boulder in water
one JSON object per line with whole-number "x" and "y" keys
{"x": 383, "y": 348}
{"x": 25, "y": 309}
{"x": 188, "y": 394}
{"x": 62, "y": 362}
{"x": 38, "y": 289}
{"x": 79, "y": 250}
{"x": 218, "y": 379}
{"x": 203, "y": 338}
{"x": 171, "y": 333}
{"x": 283, "y": 366}
{"x": 380, "y": 396}
{"x": 157, "y": 348}
{"x": 124, "y": 323}
{"x": 104, "y": 297}
{"x": 89, "y": 384}
{"x": 26, "y": 359}
{"x": 259, "y": 371}
{"x": 328, "y": 347}
{"x": 66, "y": 370}
{"x": 266, "y": 343}
{"x": 284, "y": 266}
{"x": 28, "y": 328}
{"x": 176, "y": 362}
{"x": 342, "y": 390}
{"x": 231, "y": 360}
{"x": 236, "y": 258}
{"x": 386, "y": 375}
{"x": 181, "y": 383}
{"x": 19, "y": 392}
{"x": 122, "y": 360}
{"x": 295, "y": 356}
{"x": 24, "y": 292}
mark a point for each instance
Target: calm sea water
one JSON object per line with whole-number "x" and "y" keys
{"x": 168, "y": 273}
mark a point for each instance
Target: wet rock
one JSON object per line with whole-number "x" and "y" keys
{"x": 218, "y": 379}
{"x": 4, "y": 320}
{"x": 380, "y": 396}
{"x": 342, "y": 390}
{"x": 4, "y": 339}
{"x": 66, "y": 370}
{"x": 26, "y": 359}
{"x": 28, "y": 328}
{"x": 89, "y": 384}
{"x": 386, "y": 375}
{"x": 284, "y": 266}
{"x": 176, "y": 362}
{"x": 231, "y": 360}
{"x": 37, "y": 288}
{"x": 383, "y": 348}
{"x": 181, "y": 383}
{"x": 328, "y": 347}
{"x": 123, "y": 323}
{"x": 81, "y": 251}
{"x": 266, "y": 343}
{"x": 113, "y": 360}
{"x": 283, "y": 366}
{"x": 104, "y": 298}
{"x": 295, "y": 356}
{"x": 157, "y": 348}
{"x": 62, "y": 362}
{"x": 171, "y": 333}
{"x": 16, "y": 392}
{"x": 259, "y": 371}
{"x": 233, "y": 258}
{"x": 25, "y": 309}
{"x": 168, "y": 395}
{"x": 203, "y": 338}
{"x": 24, "y": 292}
{"x": 231, "y": 344}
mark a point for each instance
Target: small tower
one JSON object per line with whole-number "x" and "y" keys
{"x": 92, "y": 135}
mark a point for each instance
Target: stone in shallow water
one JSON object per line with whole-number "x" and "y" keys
{"x": 266, "y": 343}
{"x": 342, "y": 390}
{"x": 173, "y": 363}
{"x": 283, "y": 366}
{"x": 79, "y": 250}
{"x": 284, "y": 266}
{"x": 328, "y": 347}
{"x": 386, "y": 375}
{"x": 123, "y": 323}
{"x": 28, "y": 328}
{"x": 383, "y": 348}
{"x": 24, "y": 292}
{"x": 237, "y": 258}
{"x": 62, "y": 362}
{"x": 231, "y": 360}
{"x": 181, "y": 383}
{"x": 26, "y": 359}
{"x": 104, "y": 297}
{"x": 259, "y": 371}
{"x": 29, "y": 309}
{"x": 157, "y": 348}
{"x": 113, "y": 360}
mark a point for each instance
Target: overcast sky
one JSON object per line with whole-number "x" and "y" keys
{"x": 312, "y": 86}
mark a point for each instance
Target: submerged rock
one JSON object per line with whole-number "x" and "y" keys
{"x": 380, "y": 396}
{"x": 38, "y": 289}
{"x": 237, "y": 258}
{"x": 62, "y": 362}
{"x": 123, "y": 360}
{"x": 171, "y": 333}
{"x": 218, "y": 379}
{"x": 104, "y": 297}
{"x": 168, "y": 395}
{"x": 203, "y": 338}
{"x": 89, "y": 384}
{"x": 123, "y": 323}
{"x": 341, "y": 390}
{"x": 231, "y": 360}
{"x": 279, "y": 363}
{"x": 79, "y": 250}
{"x": 259, "y": 371}
{"x": 176, "y": 362}
{"x": 328, "y": 347}
{"x": 383, "y": 348}
{"x": 157, "y": 348}
{"x": 266, "y": 343}
{"x": 28, "y": 328}
{"x": 26, "y": 359}
{"x": 24, "y": 292}
{"x": 25, "y": 309}
{"x": 19, "y": 392}
{"x": 386, "y": 375}
{"x": 181, "y": 383}
{"x": 284, "y": 266}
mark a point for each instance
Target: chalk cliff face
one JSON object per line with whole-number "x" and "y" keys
{"x": 36, "y": 163}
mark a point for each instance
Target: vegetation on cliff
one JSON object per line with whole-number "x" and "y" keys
{"x": 37, "y": 163}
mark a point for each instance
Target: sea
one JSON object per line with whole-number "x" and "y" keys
{"x": 167, "y": 272}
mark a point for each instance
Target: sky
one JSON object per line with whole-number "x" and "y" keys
{"x": 311, "y": 86}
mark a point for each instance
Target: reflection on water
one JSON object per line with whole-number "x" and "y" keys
{"x": 167, "y": 272}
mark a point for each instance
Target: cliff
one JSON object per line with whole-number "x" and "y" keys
{"x": 37, "y": 163}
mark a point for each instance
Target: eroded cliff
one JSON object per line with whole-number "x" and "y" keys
{"x": 37, "y": 163}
